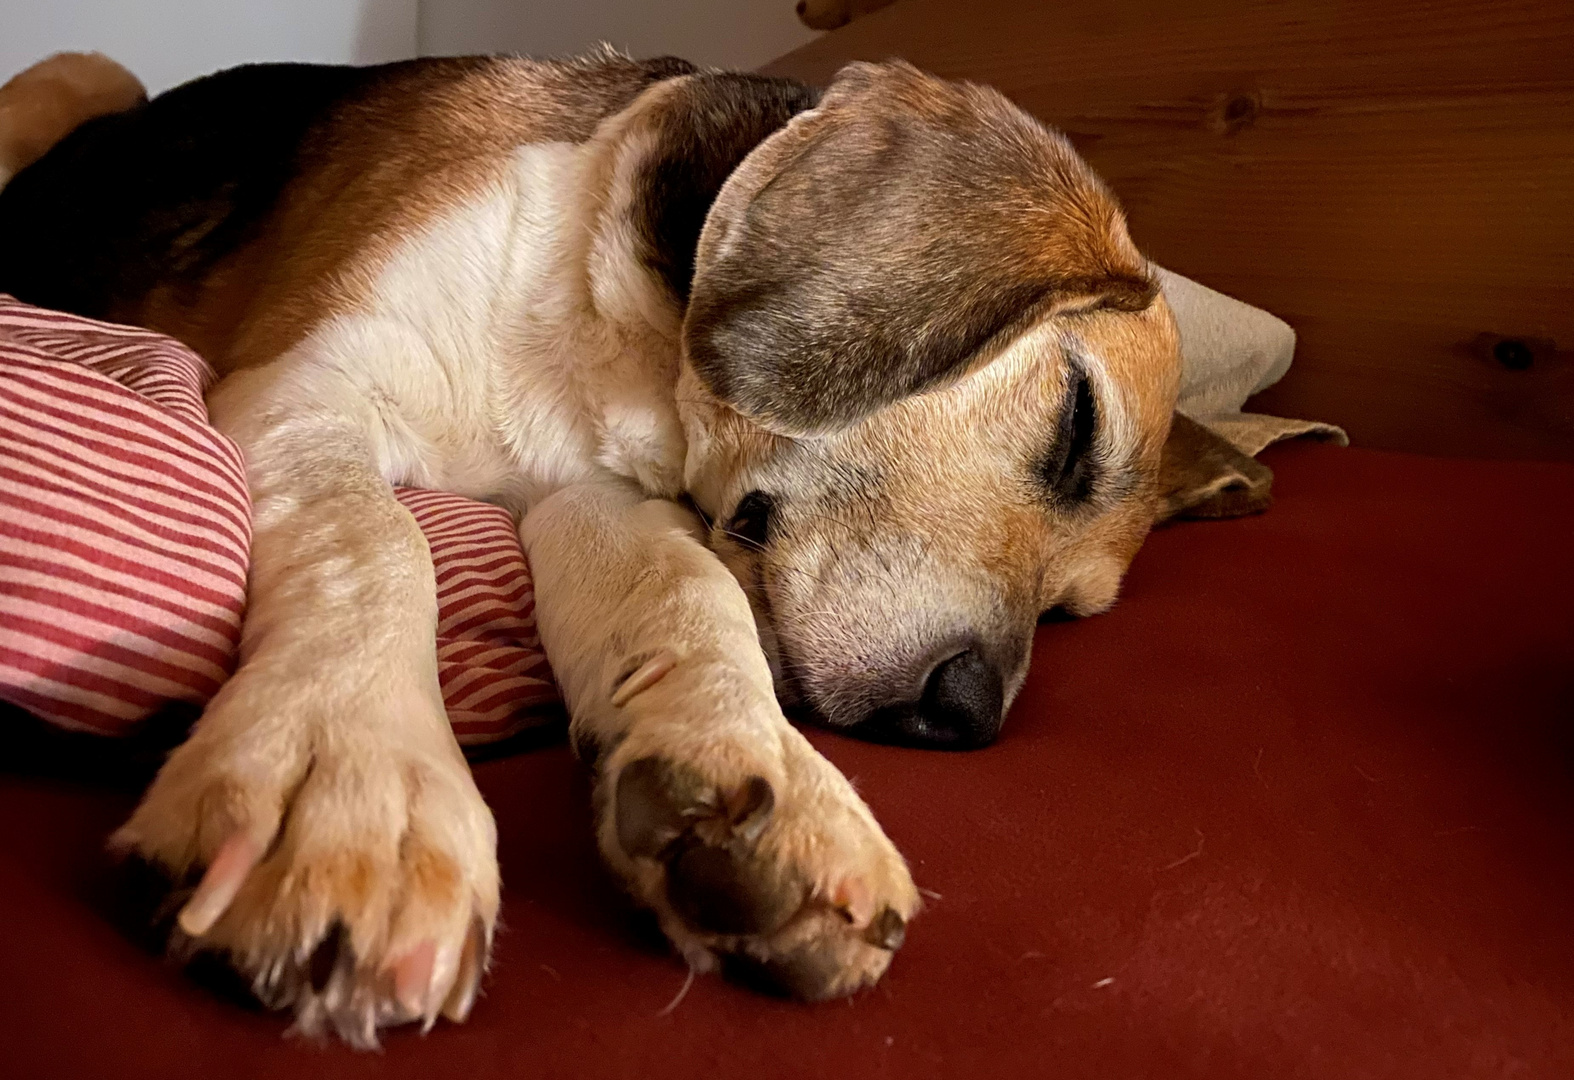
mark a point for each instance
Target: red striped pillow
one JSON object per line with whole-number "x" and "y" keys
{"x": 124, "y": 532}
{"x": 494, "y": 674}
{"x": 124, "y": 523}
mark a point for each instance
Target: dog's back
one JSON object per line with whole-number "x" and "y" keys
{"x": 249, "y": 192}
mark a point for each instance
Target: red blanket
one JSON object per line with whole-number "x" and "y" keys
{"x": 125, "y": 528}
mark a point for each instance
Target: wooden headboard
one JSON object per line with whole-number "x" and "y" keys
{"x": 1395, "y": 179}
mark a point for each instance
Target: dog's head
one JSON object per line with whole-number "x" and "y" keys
{"x": 928, "y": 390}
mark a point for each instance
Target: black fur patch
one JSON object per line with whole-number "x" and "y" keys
{"x": 158, "y": 194}
{"x": 711, "y": 127}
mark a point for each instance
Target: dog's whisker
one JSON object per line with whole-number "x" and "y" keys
{"x": 811, "y": 575}
{"x": 744, "y": 541}
{"x": 797, "y": 618}
{"x": 683, "y": 992}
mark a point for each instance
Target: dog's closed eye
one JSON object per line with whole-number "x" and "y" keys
{"x": 1067, "y": 471}
{"x": 751, "y": 522}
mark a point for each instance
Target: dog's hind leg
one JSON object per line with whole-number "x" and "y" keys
{"x": 342, "y": 858}
{"x": 751, "y": 848}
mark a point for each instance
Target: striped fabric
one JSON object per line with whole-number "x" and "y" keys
{"x": 124, "y": 523}
{"x": 125, "y": 528}
{"x": 494, "y": 674}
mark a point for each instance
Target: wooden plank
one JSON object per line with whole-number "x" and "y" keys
{"x": 1396, "y": 179}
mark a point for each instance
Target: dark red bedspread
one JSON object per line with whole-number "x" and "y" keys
{"x": 1301, "y": 805}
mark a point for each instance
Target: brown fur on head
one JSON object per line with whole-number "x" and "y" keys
{"x": 928, "y": 388}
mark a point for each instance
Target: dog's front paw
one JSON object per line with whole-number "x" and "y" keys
{"x": 347, "y": 872}
{"x": 773, "y": 866}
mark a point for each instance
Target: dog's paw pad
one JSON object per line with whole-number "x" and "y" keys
{"x": 739, "y": 875}
{"x": 717, "y": 879}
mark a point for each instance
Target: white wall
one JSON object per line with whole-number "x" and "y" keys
{"x": 169, "y": 41}
{"x": 739, "y": 34}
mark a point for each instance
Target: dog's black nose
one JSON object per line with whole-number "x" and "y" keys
{"x": 962, "y": 700}
{"x": 959, "y": 710}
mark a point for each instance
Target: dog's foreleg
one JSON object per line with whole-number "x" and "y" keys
{"x": 716, "y": 813}
{"x": 344, "y": 858}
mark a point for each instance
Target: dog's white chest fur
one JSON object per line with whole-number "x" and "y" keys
{"x": 515, "y": 345}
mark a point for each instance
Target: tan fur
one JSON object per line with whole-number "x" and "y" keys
{"x": 49, "y": 100}
{"x": 379, "y": 170}
{"x": 989, "y": 548}
{"x": 951, "y": 542}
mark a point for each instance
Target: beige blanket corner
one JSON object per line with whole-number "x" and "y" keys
{"x": 1230, "y": 351}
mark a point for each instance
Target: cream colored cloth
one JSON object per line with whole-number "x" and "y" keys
{"x": 1229, "y": 351}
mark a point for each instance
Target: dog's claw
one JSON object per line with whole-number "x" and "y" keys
{"x": 467, "y": 984}
{"x": 326, "y": 958}
{"x": 412, "y": 978}
{"x": 223, "y": 879}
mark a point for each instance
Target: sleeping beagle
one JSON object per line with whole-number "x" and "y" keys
{"x": 805, "y": 400}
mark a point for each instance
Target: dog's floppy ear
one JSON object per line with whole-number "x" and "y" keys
{"x": 890, "y": 240}
{"x": 1202, "y": 476}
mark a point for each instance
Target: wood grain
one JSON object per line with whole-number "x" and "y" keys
{"x": 1396, "y": 179}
